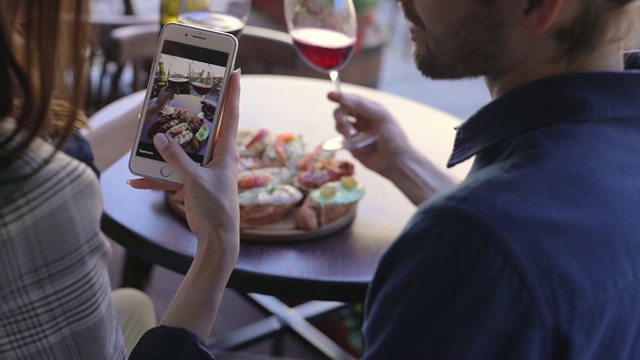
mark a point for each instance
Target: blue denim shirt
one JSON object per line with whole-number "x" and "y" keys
{"x": 536, "y": 254}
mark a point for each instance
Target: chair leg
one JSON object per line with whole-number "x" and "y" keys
{"x": 115, "y": 83}
{"x": 136, "y": 272}
{"x": 99, "y": 100}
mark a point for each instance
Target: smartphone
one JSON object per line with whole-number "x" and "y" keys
{"x": 184, "y": 96}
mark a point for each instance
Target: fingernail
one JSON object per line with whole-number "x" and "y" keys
{"x": 160, "y": 141}
{"x": 128, "y": 181}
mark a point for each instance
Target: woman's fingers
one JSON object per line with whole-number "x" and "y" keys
{"x": 226, "y": 141}
{"x": 150, "y": 184}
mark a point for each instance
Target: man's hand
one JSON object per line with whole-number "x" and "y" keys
{"x": 166, "y": 94}
{"x": 390, "y": 155}
{"x": 370, "y": 117}
{"x": 208, "y": 109}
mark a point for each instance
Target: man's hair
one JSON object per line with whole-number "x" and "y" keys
{"x": 590, "y": 27}
{"x": 44, "y": 45}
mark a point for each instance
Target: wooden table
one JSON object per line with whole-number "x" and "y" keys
{"x": 337, "y": 267}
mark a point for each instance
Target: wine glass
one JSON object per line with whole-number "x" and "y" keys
{"x": 179, "y": 74}
{"x": 324, "y": 34}
{"x": 201, "y": 78}
{"x": 227, "y": 16}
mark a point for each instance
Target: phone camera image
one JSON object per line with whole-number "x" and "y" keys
{"x": 184, "y": 100}
{"x": 186, "y": 86}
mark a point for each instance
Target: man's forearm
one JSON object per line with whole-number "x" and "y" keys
{"x": 418, "y": 178}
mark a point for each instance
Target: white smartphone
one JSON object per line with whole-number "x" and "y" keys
{"x": 184, "y": 96}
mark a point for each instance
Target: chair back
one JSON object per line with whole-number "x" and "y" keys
{"x": 112, "y": 131}
{"x": 267, "y": 51}
{"x": 135, "y": 42}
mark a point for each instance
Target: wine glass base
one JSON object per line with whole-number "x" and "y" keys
{"x": 168, "y": 109}
{"x": 358, "y": 141}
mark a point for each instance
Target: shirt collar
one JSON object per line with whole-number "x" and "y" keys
{"x": 565, "y": 98}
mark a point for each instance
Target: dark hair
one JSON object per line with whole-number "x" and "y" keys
{"x": 583, "y": 35}
{"x": 44, "y": 45}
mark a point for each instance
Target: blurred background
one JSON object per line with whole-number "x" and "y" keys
{"x": 383, "y": 60}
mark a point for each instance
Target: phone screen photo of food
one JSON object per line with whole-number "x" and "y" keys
{"x": 184, "y": 99}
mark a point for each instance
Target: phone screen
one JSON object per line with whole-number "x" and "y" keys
{"x": 183, "y": 100}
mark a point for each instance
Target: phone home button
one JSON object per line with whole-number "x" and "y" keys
{"x": 166, "y": 171}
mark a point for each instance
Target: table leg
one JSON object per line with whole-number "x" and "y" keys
{"x": 285, "y": 317}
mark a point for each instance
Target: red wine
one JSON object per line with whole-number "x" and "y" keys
{"x": 215, "y": 21}
{"x": 323, "y": 49}
{"x": 201, "y": 88}
{"x": 181, "y": 83}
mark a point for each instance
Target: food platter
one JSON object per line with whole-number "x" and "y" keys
{"x": 281, "y": 231}
{"x": 285, "y": 192}
{"x": 184, "y": 121}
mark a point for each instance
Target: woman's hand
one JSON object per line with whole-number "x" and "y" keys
{"x": 211, "y": 196}
{"x": 155, "y": 105}
{"x": 166, "y": 94}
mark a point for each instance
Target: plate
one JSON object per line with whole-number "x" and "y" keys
{"x": 278, "y": 232}
{"x": 177, "y": 130}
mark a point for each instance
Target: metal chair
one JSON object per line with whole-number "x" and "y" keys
{"x": 105, "y": 52}
{"x": 134, "y": 45}
{"x": 267, "y": 51}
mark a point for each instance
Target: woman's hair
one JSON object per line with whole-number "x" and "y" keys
{"x": 44, "y": 46}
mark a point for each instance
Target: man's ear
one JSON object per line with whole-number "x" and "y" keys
{"x": 540, "y": 15}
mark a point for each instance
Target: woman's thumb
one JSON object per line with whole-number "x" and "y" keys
{"x": 173, "y": 154}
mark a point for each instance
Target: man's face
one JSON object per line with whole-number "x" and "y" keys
{"x": 458, "y": 38}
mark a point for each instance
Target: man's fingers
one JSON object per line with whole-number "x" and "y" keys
{"x": 343, "y": 125}
{"x": 357, "y": 106}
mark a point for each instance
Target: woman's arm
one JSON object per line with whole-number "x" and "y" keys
{"x": 212, "y": 212}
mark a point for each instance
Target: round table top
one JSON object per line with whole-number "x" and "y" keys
{"x": 338, "y": 266}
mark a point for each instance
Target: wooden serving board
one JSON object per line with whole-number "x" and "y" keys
{"x": 278, "y": 232}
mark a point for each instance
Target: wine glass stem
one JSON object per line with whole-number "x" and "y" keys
{"x": 335, "y": 79}
{"x": 344, "y": 120}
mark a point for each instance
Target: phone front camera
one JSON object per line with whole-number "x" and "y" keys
{"x": 186, "y": 34}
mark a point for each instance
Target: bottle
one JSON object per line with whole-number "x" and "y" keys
{"x": 168, "y": 11}
{"x": 161, "y": 80}
{"x": 162, "y": 76}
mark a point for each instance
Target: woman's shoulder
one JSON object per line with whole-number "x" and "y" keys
{"x": 43, "y": 174}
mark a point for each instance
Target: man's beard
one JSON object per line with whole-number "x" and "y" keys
{"x": 474, "y": 46}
